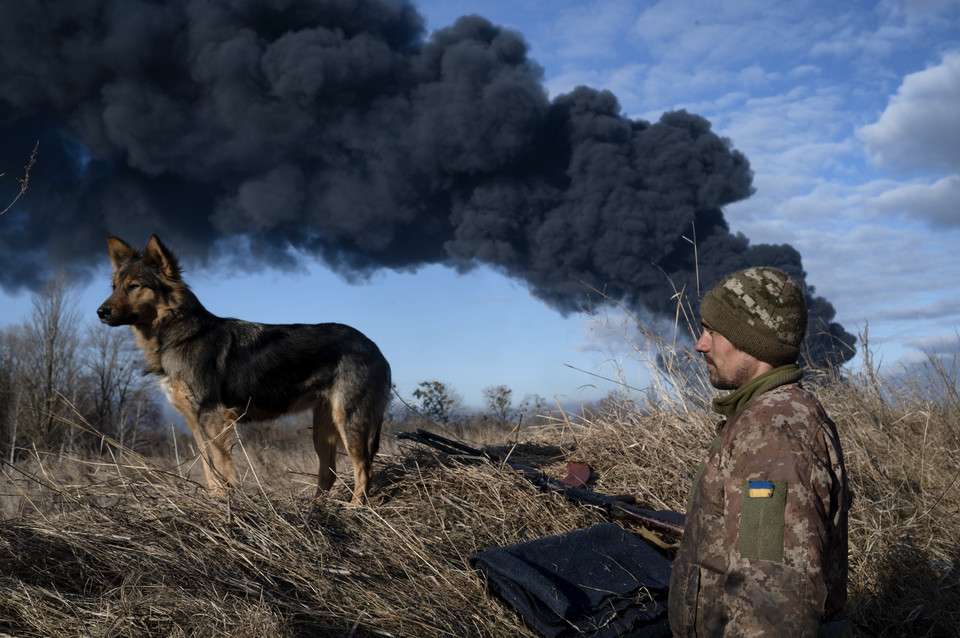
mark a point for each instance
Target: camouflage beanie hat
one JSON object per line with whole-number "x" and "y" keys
{"x": 761, "y": 311}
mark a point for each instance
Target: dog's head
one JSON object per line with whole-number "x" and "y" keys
{"x": 145, "y": 284}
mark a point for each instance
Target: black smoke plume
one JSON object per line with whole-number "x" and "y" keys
{"x": 339, "y": 129}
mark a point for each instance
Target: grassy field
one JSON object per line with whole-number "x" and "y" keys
{"x": 122, "y": 545}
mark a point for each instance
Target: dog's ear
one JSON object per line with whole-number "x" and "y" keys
{"x": 166, "y": 262}
{"x": 120, "y": 252}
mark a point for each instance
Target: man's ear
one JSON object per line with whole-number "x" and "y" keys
{"x": 120, "y": 252}
{"x": 166, "y": 262}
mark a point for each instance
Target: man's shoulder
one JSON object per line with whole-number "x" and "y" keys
{"x": 787, "y": 405}
{"x": 787, "y": 393}
{"x": 787, "y": 418}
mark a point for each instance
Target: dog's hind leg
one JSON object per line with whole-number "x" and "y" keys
{"x": 325, "y": 438}
{"x": 352, "y": 410}
{"x": 362, "y": 461}
{"x": 359, "y": 402}
{"x": 355, "y": 429}
{"x": 331, "y": 424}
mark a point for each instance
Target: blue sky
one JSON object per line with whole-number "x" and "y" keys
{"x": 848, "y": 115}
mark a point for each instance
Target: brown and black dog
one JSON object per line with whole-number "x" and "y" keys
{"x": 215, "y": 370}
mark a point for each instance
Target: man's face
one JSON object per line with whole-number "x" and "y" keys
{"x": 728, "y": 367}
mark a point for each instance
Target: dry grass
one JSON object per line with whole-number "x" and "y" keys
{"x": 123, "y": 545}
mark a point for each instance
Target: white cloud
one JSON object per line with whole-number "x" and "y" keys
{"x": 920, "y": 128}
{"x": 948, "y": 308}
{"x": 790, "y": 132}
{"x": 592, "y": 31}
{"x": 936, "y": 203}
{"x": 883, "y": 270}
{"x": 718, "y": 34}
{"x": 939, "y": 344}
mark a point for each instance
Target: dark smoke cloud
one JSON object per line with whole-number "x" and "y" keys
{"x": 337, "y": 128}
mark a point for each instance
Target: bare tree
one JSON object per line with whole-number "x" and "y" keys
{"x": 120, "y": 400}
{"x": 49, "y": 366}
{"x": 9, "y": 389}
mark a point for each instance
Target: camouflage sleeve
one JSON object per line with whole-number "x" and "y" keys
{"x": 777, "y": 493}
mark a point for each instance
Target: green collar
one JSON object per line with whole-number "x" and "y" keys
{"x": 733, "y": 402}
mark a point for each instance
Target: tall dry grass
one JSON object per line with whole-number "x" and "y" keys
{"x": 123, "y": 545}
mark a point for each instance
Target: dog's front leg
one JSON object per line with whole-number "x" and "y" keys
{"x": 213, "y": 430}
{"x": 216, "y": 436}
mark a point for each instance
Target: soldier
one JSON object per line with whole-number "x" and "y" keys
{"x": 764, "y": 550}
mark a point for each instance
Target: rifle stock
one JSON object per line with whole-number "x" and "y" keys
{"x": 668, "y": 524}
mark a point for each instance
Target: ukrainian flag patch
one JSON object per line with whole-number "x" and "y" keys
{"x": 763, "y": 520}
{"x": 760, "y": 489}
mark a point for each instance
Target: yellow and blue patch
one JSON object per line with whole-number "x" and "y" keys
{"x": 760, "y": 489}
{"x": 763, "y": 520}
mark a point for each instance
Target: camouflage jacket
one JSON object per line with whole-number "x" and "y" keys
{"x": 764, "y": 549}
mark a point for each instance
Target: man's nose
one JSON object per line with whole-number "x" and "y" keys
{"x": 703, "y": 343}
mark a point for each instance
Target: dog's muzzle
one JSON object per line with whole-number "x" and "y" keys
{"x": 106, "y": 315}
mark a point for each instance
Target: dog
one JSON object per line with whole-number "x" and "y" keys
{"x": 216, "y": 370}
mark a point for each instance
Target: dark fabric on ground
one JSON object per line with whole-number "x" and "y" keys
{"x": 598, "y": 581}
